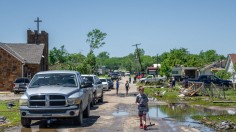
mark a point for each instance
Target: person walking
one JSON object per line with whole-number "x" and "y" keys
{"x": 173, "y": 82}
{"x": 142, "y": 102}
{"x": 127, "y": 87}
{"x": 117, "y": 86}
{"x": 135, "y": 77}
{"x": 129, "y": 79}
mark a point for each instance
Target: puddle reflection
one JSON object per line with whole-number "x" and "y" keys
{"x": 120, "y": 111}
{"x": 180, "y": 114}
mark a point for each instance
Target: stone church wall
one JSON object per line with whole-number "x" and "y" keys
{"x": 10, "y": 69}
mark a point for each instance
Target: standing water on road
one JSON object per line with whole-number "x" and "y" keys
{"x": 180, "y": 114}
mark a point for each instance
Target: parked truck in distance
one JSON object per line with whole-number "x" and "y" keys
{"x": 152, "y": 79}
{"x": 208, "y": 79}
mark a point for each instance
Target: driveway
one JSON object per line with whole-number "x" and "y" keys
{"x": 117, "y": 113}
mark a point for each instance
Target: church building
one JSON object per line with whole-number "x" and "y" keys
{"x": 23, "y": 59}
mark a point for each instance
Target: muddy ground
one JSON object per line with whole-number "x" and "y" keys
{"x": 117, "y": 113}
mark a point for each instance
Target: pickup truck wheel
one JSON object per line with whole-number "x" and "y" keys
{"x": 78, "y": 120}
{"x": 25, "y": 122}
{"x": 92, "y": 101}
{"x": 94, "y": 98}
{"x": 142, "y": 81}
{"x": 87, "y": 111}
{"x": 101, "y": 99}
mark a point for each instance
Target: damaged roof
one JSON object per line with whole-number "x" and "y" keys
{"x": 233, "y": 58}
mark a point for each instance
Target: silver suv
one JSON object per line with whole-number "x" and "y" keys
{"x": 55, "y": 95}
{"x": 97, "y": 87}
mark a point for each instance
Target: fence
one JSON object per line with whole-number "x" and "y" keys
{"x": 212, "y": 90}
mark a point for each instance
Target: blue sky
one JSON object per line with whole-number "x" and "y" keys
{"x": 159, "y": 25}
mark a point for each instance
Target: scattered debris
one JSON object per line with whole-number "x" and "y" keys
{"x": 226, "y": 125}
{"x": 159, "y": 93}
{"x": 3, "y": 119}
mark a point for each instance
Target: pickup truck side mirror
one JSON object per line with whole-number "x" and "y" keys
{"x": 86, "y": 84}
{"x": 99, "y": 82}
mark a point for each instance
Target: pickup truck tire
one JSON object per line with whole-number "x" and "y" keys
{"x": 25, "y": 122}
{"x": 86, "y": 112}
{"x": 143, "y": 81}
{"x": 78, "y": 120}
{"x": 94, "y": 98}
{"x": 92, "y": 103}
{"x": 101, "y": 99}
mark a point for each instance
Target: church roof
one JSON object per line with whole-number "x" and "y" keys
{"x": 26, "y": 53}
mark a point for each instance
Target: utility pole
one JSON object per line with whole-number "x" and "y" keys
{"x": 138, "y": 55}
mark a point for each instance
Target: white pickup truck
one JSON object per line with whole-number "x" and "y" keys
{"x": 152, "y": 78}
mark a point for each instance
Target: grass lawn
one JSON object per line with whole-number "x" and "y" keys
{"x": 13, "y": 114}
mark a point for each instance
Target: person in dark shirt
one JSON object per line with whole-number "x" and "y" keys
{"x": 127, "y": 87}
{"x": 142, "y": 102}
{"x": 117, "y": 86}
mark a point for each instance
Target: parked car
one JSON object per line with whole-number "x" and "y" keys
{"x": 110, "y": 83}
{"x": 56, "y": 95}
{"x": 114, "y": 76}
{"x": 104, "y": 83}
{"x": 97, "y": 87}
{"x": 127, "y": 73}
{"x": 20, "y": 85}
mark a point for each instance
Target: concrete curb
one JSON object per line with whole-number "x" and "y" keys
{"x": 5, "y": 92}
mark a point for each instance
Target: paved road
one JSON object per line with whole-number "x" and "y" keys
{"x": 117, "y": 113}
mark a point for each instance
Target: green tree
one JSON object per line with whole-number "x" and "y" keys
{"x": 163, "y": 56}
{"x": 52, "y": 56}
{"x": 103, "y": 55}
{"x": 128, "y": 63}
{"x": 178, "y": 56}
{"x": 83, "y": 67}
{"x": 95, "y": 39}
{"x": 223, "y": 74}
{"x": 91, "y": 61}
{"x": 76, "y": 58}
{"x": 175, "y": 57}
{"x": 193, "y": 60}
{"x": 209, "y": 56}
{"x": 58, "y": 55}
{"x": 113, "y": 63}
{"x": 75, "y": 61}
{"x": 147, "y": 61}
{"x": 165, "y": 68}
